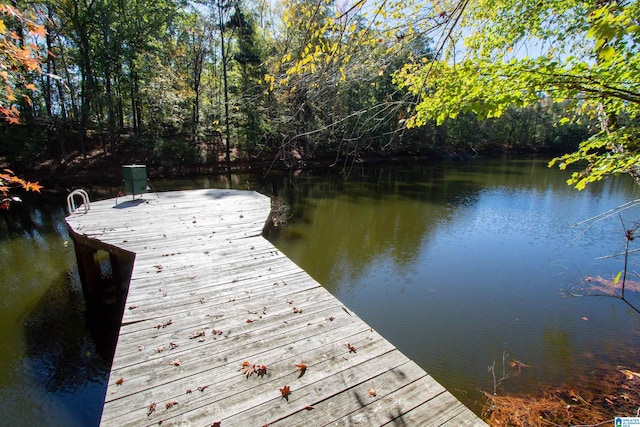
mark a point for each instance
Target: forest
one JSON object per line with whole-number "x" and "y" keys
{"x": 224, "y": 83}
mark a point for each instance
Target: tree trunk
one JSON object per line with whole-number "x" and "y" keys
{"x": 226, "y": 90}
{"x": 111, "y": 120}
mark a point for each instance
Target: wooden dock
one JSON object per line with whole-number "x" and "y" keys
{"x": 220, "y": 328}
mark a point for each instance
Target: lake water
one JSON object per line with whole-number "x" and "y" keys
{"x": 464, "y": 265}
{"x": 459, "y": 265}
{"x": 51, "y": 371}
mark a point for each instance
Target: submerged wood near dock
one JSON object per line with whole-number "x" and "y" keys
{"x": 209, "y": 298}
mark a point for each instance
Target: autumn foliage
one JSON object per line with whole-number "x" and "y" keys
{"x": 17, "y": 57}
{"x": 8, "y": 182}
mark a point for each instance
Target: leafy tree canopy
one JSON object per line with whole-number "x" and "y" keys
{"x": 491, "y": 55}
{"x": 497, "y": 54}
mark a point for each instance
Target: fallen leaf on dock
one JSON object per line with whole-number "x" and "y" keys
{"x": 164, "y": 325}
{"x": 152, "y": 407}
{"x": 176, "y": 362}
{"x": 197, "y": 334}
{"x": 261, "y": 371}
{"x": 120, "y": 381}
{"x": 170, "y": 404}
{"x": 302, "y": 367}
{"x": 351, "y": 348}
{"x": 285, "y": 391}
{"x": 372, "y": 392}
{"x": 247, "y": 369}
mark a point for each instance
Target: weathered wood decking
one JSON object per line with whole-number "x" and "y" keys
{"x": 208, "y": 293}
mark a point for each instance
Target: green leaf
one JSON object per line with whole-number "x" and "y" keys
{"x": 607, "y": 53}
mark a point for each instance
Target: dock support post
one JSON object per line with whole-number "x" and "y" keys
{"x": 94, "y": 285}
{"x": 88, "y": 269}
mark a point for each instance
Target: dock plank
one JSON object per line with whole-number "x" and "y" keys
{"x": 208, "y": 293}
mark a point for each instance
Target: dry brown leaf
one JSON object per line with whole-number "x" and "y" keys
{"x": 152, "y": 407}
{"x": 261, "y": 371}
{"x": 197, "y": 334}
{"x": 285, "y": 391}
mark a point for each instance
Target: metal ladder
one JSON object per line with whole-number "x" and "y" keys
{"x": 71, "y": 201}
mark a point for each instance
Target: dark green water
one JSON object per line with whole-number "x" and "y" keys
{"x": 51, "y": 372}
{"x": 456, "y": 264}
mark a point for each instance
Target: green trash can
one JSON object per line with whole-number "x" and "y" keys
{"x": 135, "y": 179}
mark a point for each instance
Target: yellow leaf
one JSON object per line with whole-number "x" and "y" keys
{"x": 38, "y": 30}
{"x": 607, "y": 53}
{"x": 3, "y": 28}
{"x": 617, "y": 278}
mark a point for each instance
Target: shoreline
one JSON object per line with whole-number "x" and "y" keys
{"x": 107, "y": 170}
